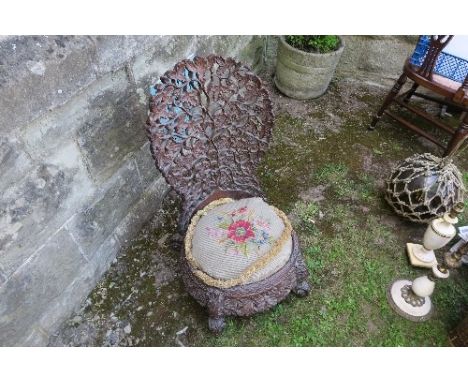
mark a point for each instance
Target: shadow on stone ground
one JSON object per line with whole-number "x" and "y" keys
{"x": 327, "y": 172}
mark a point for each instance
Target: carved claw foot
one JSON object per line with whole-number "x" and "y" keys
{"x": 176, "y": 241}
{"x": 302, "y": 289}
{"x": 216, "y": 324}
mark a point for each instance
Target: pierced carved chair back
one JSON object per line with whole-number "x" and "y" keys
{"x": 429, "y": 59}
{"x": 210, "y": 122}
{"x": 437, "y": 43}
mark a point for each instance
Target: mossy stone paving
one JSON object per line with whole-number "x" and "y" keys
{"x": 327, "y": 172}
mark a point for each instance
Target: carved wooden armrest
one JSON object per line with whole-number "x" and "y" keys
{"x": 462, "y": 92}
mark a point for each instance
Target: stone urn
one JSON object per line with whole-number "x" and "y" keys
{"x": 304, "y": 75}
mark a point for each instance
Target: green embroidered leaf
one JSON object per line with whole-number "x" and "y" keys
{"x": 245, "y": 250}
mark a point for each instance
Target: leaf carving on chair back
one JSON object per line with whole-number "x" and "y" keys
{"x": 209, "y": 124}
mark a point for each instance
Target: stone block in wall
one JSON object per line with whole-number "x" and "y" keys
{"x": 247, "y": 49}
{"x": 114, "y": 52}
{"x": 270, "y": 47}
{"x": 93, "y": 225}
{"x": 74, "y": 295}
{"x": 14, "y": 161}
{"x": 380, "y": 55}
{"x": 76, "y": 292}
{"x": 146, "y": 165}
{"x": 47, "y": 134}
{"x": 39, "y": 73}
{"x": 142, "y": 211}
{"x": 36, "y": 338}
{"x": 34, "y": 208}
{"x": 251, "y": 53}
{"x": 149, "y": 66}
{"x": 37, "y": 284}
{"x": 114, "y": 125}
{"x": 106, "y": 119}
{"x": 3, "y": 277}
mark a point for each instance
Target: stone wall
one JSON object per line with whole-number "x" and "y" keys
{"x": 77, "y": 178}
{"x": 380, "y": 57}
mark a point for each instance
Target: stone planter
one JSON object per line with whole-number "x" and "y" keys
{"x": 303, "y": 75}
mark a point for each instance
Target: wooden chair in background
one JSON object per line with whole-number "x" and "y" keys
{"x": 445, "y": 78}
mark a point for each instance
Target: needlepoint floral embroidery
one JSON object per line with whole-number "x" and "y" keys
{"x": 241, "y": 231}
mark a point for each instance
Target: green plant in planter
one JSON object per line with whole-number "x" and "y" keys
{"x": 314, "y": 44}
{"x": 305, "y": 65}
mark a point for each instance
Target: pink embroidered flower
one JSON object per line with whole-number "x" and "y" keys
{"x": 240, "y": 231}
{"x": 241, "y": 210}
{"x": 262, "y": 224}
{"x": 215, "y": 233}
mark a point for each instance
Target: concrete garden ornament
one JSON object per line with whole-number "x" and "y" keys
{"x": 423, "y": 187}
{"x": 306, "y": 64}
{"x": 439, "y": 232}
{"x": 411, "y": 299}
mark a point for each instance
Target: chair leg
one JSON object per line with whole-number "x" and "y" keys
{"x": 388, "y": 100}
{"x": 302, "y": 287}
{"x": 216, "y": 322}
{"x": 411, "y": 92}
{"x": 458, "y": 138}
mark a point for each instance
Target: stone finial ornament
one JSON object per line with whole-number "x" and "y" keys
{"x": 423, "y": 187}
{"x": 439, "y": 232}
{"x": 411, "y": 299}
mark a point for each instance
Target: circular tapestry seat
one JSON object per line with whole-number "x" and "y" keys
{"x": 237, "y": 242}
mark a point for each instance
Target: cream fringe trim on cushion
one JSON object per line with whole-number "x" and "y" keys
{"x": 250, "y": 270}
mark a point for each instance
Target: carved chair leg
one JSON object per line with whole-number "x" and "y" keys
{"x": 216, "y": 321}
{"x": 302, "y": 287}
{"x": 458, "y": 138}
{"x": 176, "y": 242}
{"x": 411, "y": 92}
{"x": 216, "y": 324}
{"x": 388, "y": 100}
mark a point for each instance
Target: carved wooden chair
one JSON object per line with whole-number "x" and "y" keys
{"x": 210, "y": 122}
{"x": 440, "y": 73}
